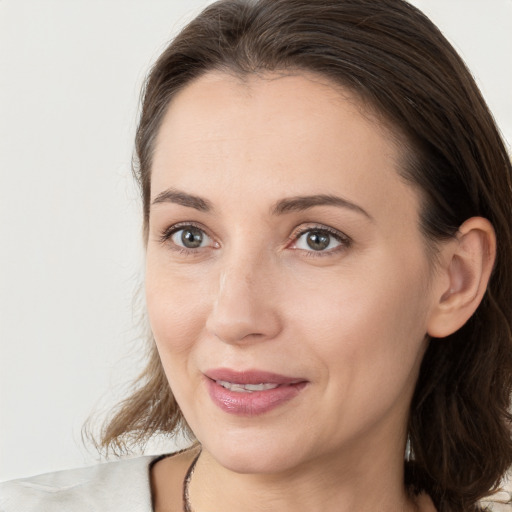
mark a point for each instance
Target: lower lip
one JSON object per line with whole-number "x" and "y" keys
{"x": 252, "y": 404}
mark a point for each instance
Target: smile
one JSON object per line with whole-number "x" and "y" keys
{"x": 252, "y": 392}
{"x": 246, "y": 388}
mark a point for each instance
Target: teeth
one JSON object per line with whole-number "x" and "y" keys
{"x": 246, "y": 388}
{"x": 260, "y": 387}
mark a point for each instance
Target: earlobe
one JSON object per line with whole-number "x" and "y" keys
{"x": 465, "y": 270}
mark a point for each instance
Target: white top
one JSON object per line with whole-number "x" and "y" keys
{"x": 112, "y": 487}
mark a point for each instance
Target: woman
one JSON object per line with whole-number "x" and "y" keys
{"x": 327, "y": 210}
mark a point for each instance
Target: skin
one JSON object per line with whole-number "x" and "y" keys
{"x": 351, "y": 319}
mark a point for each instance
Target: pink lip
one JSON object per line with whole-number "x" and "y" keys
{"x": 256, "y": 402}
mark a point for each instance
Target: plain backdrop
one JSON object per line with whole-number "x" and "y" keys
{"x": 70, "y": 241}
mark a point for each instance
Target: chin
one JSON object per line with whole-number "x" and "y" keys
{"x": 246, "y": 453}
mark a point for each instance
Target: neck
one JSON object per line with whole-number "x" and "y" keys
{"x": 325, "y": 484}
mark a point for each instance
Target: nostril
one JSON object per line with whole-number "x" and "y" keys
{"x": 232, "y": 336}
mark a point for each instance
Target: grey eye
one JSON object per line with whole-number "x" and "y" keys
{"x": 318, "y": 240}
{"x": 190, "y": 237}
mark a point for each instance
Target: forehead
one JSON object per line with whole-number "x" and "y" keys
{"x": 275, "y": 135}
{"x": 259, "y": 106}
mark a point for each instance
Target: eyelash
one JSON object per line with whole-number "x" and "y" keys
{"x": 344, "y": 240}
{"x": 166, "y": 235}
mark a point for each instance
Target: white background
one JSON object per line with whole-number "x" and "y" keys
{"x": 70, "y": 244}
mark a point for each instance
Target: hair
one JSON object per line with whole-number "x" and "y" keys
{"x": 398, "y": 62}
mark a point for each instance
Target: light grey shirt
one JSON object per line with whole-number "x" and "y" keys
{"x": 115, "y": 486}
{"x": 122, "y": 486}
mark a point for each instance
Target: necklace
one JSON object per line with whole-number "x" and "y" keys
{"x": 186, "y": 482}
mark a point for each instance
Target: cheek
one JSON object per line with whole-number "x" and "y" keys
{"x": 370, "y": 341}
{"x": 177, "y": 316}
{"x": 176, "y": 308}
{"x": 369, "y": 323}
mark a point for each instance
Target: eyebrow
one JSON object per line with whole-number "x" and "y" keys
{"x": 171, "y": 195}
{"x": 301, "y": 203}
{"x": 292, "y": 204}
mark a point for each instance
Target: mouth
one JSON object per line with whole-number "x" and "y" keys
{"x": 252, "y": 388}
{"x": 252, "y": 392}
{"x": 250, "y": 377}
{"x": 246, "y": 388}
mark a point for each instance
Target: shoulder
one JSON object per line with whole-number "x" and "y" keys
{"x": 497, "y": 504}
{"x": 501, "y": 501}
{"x": 121, "y": 485}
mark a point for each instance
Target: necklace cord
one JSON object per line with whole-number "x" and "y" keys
{"x": 186, "y": 483}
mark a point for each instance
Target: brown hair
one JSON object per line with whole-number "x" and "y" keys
{"x": 394, "y": 58}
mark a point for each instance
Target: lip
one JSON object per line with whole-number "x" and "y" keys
{"x": 255, "y": 402}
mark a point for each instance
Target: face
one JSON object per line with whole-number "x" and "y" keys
{"x": 287, "y": 280}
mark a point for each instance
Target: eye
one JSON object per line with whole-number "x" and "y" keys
{"x": 190, "y": 237}
{"x": 187, "y": 237}
{"x": 320, "y": 240}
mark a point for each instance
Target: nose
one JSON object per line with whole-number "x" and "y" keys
{"x": 244, "y": 307}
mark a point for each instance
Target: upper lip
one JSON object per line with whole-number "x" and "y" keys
{"x": 250, "y": 377}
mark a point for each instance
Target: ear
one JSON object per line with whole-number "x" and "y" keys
{"x": 462, "y": 276}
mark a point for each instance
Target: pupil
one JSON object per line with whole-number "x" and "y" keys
{"x": 192, "y": 238}
{"x": 318, "y": 241}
